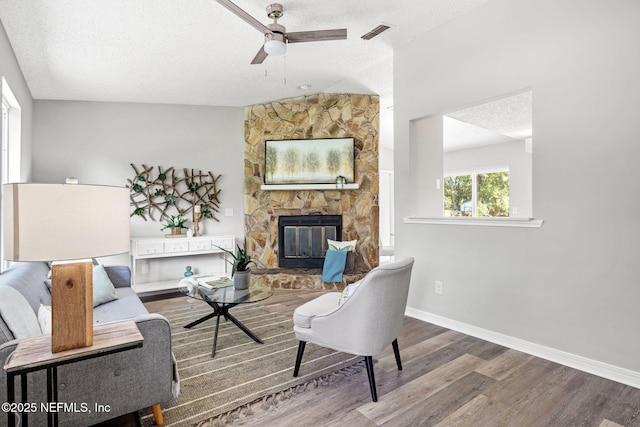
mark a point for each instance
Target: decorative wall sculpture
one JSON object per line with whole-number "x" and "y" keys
{"x": 170, "y": 192}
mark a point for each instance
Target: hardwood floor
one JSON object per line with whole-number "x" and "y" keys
{"x": 449, "y": 379}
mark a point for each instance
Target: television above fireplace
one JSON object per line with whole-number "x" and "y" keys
{"x": 309, "y": 161}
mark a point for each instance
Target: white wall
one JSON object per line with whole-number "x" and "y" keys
{"x": 96, "y": 142}
{"x": 425, "y": 167}
{"x": 571, "y": 285}
{"x": 10, "y": 70}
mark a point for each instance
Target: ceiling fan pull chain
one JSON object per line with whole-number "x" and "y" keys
{"x": 285, "y": 68}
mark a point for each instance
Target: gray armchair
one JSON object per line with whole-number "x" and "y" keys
{"x": 365, "y": 324}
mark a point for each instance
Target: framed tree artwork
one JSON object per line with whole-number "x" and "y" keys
{"x": 309, "y": 161}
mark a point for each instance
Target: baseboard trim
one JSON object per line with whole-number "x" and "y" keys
{"x": 601, "y": 369}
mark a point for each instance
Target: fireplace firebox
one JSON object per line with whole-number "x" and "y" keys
{"x": 302, "y": 239}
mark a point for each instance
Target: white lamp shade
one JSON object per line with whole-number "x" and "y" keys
{"x": 275, "y": 47}
{"x": 53, "y": 222}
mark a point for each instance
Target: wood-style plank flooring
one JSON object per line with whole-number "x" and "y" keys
{"x": 449, "y": 379}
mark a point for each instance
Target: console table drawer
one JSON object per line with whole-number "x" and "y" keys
{"x": 200, "y": 245}
{"x": 224, "y": 243}
{"x": 149, "y": 248}
{"x": 170, "y": 247}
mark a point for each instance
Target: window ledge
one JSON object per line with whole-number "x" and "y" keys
{"x": 482, "y": 222}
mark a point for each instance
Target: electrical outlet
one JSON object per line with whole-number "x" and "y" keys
{"x": 439, "y": 287}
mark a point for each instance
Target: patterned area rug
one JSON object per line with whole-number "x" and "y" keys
{"x": 243, "y": 371}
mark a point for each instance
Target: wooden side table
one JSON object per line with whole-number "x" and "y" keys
{"x": 34, "y": 354}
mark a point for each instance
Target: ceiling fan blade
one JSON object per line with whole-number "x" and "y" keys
{"x": 245, "y": 16}
{"x": 260, "y": 56}
{"x": 317, "y": 36}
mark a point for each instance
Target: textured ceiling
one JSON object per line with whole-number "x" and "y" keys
{"x": 197, "y": 52}
{"x": 492, "y": 122}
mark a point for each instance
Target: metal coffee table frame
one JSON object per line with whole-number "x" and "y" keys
{"x": 221, "y": 300}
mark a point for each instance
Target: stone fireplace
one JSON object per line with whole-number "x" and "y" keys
{"x": 312, "y": 117}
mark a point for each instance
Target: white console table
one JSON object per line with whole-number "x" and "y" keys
{"x": 143, "y": 248}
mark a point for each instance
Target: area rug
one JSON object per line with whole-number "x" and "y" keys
{"x": 242, "y": 370}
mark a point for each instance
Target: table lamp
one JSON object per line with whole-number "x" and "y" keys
{"x": 67, "y": 223}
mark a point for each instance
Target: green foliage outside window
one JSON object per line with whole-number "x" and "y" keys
{"x": 457, "y": 190}
{"x": 492, "y": 192}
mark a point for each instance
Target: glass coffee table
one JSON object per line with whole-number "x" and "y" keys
{"x": 221, "y": 297}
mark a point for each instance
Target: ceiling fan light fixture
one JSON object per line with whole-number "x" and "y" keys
{"x": 275, "y": 47}
{"x": 276, "y": 37}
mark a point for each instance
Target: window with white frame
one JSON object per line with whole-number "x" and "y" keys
{"x": 4, "y": 127}
{"x": 10, "y": 131}
{"x": 478, "y": 193}
{"x": 11, "y": 135}
{"x": 5, "y": 140}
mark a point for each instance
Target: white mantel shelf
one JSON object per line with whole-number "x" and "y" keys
{"x": 287, "y": 187}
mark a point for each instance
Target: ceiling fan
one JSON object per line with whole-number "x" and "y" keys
{"x": 276, "y": 36}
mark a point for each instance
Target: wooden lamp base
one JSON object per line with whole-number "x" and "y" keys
{"x": 71, "y": 305}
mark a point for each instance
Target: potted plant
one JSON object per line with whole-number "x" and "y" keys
{"x": 240, "y": 270}
{"x": 176, "y": 223}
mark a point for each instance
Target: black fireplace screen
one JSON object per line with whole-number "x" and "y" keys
{"x": 302, "y": 239}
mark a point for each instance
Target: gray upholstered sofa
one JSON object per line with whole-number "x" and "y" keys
{"x": 126, "y": 382}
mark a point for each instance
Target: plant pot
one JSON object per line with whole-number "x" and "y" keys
{"x": 241, "y": 279}
{"x": 176, "y": 231}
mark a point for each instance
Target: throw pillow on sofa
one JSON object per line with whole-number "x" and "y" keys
{"x": 18, "y": 314}
{"x": 103, "y": 289}
{"x": 44, "y": 319}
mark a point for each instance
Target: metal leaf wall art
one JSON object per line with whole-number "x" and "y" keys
{"x": 169, "y": 192}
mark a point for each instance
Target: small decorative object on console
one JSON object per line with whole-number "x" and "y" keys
{"x": 175, "y": 223}
{"x": 197, "y": 214}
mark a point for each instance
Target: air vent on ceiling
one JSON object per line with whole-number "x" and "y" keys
{"x": 376, "y": 31}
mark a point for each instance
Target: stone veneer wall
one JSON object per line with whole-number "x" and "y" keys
{"x": 314, "y": 116}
